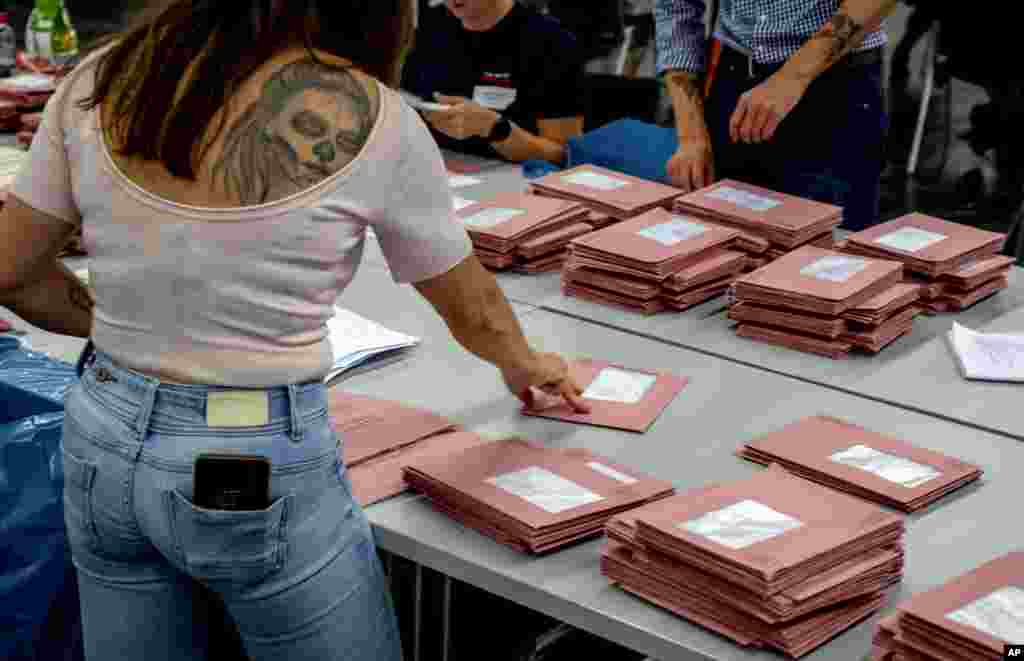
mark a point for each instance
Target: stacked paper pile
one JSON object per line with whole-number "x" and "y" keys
{"x": 532, "y": 498}
{"x": 849, "y": 458}
{"x": 20, "y": 95}
{"x": 524, "y": 231}
{"x": 972, "y": 618}
{"x": 378, "y": 438}
{"x": 824, "y": 302}
{"x": 956, "y": 264}
{"x": 612, "y": 195}
{"x": 359, "y": 344}
{"x": 773, "y": 223}
{"x": 654, "y": 261}
{"x": 773, "y": 561}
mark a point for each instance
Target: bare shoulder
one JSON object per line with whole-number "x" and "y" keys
{"x": 305, "y": 120}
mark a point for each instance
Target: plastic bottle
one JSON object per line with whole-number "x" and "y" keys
{"x": 8, "y": 46}
{"x": 50, "y": 35}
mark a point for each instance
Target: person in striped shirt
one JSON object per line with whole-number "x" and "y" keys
{"x": 795, "y": 101}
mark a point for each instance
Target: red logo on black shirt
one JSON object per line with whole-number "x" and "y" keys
{"x": 496, "y": 79}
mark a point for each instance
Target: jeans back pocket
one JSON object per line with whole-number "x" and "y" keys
{"x": 232, "y": 547}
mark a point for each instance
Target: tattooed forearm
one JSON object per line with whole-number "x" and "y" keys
{"x": 842, "y": 34}
{"x": 688, "y": 84}
{"x": 309, "y": 122}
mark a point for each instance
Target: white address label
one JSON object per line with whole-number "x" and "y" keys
{"x": 898, "y": 470}
{"x": 675, "y": 231}
{"x": 491, "y": 217}
{"x": 548, "y": 491}
{"x": 615, "y": 385}
{"x": 1000, "y": 615}
{"x": 744, "y": 524}
{"x": 594, "y": 180}
{"x": 834, "y": 268}
{"x": 910, "y": 239}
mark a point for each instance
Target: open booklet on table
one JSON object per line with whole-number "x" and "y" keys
{"x": 360, "y": 344}
{"x": 987, "y": 356}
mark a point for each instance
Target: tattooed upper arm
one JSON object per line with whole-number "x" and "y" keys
{"x": 309, "y": 121}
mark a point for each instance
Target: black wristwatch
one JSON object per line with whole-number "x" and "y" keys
{"x": 501, "y": 131}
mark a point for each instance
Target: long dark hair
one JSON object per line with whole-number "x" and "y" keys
{"x": 163, "y": 81}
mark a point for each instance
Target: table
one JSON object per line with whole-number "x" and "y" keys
{"x": 691, "y": 444}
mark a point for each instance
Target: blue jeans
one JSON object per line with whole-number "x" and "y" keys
{"x": 829, "y": 149}
{"x": 301, "y": 579}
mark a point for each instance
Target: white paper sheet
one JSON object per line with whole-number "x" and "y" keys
{"x": 1000, "y": 614}
{"x": 987, "y": 356}
{"x": 608, "y": 471}
{"x": 491, "y": 217}
{"x": 910, "y": 239}
{"x": 744, "y": 524}
{"x": 11, "y": 160}
{"x": 548, "y": 491}
{"x": 834, "y": 268}
{"x": 594, "y": 180}
{"x": 615, "y": 385}
{"x": 899, "y": 470}
{"x": 462, "y": 181}
{"x": 742, "y": 198}
{"x": 461, "y": 203}
{"x": 356, "y": 340}
{"x": 673, "y": 232}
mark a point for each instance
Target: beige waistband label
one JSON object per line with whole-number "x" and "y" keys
{"x": 237, "y": 408}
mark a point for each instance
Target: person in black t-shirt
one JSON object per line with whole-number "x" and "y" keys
{"x": 512, "y": 79}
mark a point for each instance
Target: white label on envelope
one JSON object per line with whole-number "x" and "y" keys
{"x": 741, "y": 525}
{"x": 594, "y": 180}
{"x": 910, "y": 239}
{"x": 495, "y": 98}
{"x": 608, "y": 471}
{"x": 461, "y": 181}
{"x": 834, "y": 268}
{"x": 903, "y": 472}
{"x": 743, "y": 198}
{"x": 675, "y": 231}
{"x": 615, "y": 385}
{"x": 492, "y": 217}
{"x": 461, "y": 203}
{"x": 539, "y": 486}
{"x": 1000, "y": 614}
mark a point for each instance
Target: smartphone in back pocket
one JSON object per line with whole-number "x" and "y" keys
{"x": 231, "y": 482}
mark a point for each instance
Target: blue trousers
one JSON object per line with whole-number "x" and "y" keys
{"x": 829, "y": 149}
{"x": 301, "y": 579}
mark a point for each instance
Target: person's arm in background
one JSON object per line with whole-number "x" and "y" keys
{"x": 34, "y": 284}
{"x": 682, "y": 55}
{"x": 762, "y": 109}
{"x": 482, "y": 321}
{"x": 468, "y": 119}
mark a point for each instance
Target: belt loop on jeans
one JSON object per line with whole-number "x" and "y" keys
{"x": 148, "y": 401}
{"x": 293, "y": 406}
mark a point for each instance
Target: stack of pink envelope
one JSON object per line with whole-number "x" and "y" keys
{"x": 613, "y": 195}
{"x": 28, "y": 91}
{"x": 783, "y": 222}
{"x": 824, "y": 302}
{"x": 975, "y": 617}
{"x": 379, "y": 437}
{"x": 956, "y": 265}
{"x": 523, "y": 231}
{"x": 866, "y": 464}
{"x": 529, "y": 497}
{"x": 10, "y": 116}
{"x": 774, "y": 561}
{"x": 653, "y": 262}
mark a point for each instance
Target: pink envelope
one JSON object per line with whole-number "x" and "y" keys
{"x": 636, "y": 416}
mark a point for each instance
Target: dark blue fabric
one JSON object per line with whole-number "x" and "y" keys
{"x": 628, "y": 146}
{"x": 829, "y": 149}
{"x": 34, "y": 560}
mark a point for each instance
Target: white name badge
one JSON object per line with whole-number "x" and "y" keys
{"x": 548, "y": 491}
{"x": 899, "y": 470}
{"x": 673, "y": 232}
{"x": 834, "y": 268}
{"x": 495, "y": 98}
{"x": 492, "y": 217}
{"x": 1000, "y": 614}
{"x": 910, "y": 239}
{"x": 594, "y": 180}
{"x": 741, "y": 525}
{"x": 615, "y": 385}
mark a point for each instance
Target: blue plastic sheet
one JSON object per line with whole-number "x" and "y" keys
{"x": 629, "y": 146}
{"x": 34, "y": 558}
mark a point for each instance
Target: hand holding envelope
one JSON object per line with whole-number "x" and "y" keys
{"x": 548, "y": 376}
{"x": 463, "y": 119}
